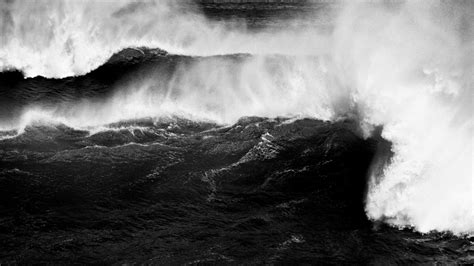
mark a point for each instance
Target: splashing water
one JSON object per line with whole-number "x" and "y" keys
{"x": 406, "y": 66}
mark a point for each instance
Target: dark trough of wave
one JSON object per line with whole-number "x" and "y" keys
{"x": 172, "y": 190}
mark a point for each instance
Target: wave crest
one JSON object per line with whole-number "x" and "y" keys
{"x": 406, "y": 67}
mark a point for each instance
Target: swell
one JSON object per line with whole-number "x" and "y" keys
{"x": 406, "y": 68}
{"x": 61, "y": 39}
{"x": 141, "y": 82}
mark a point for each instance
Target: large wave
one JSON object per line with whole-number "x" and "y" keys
{"x": 406, "y": 66}
{"x": 63, "y": 38}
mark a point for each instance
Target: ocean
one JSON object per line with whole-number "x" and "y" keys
{"x": 236, "y": 132}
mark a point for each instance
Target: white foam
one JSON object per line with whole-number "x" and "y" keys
{"x": 406, "y": 66}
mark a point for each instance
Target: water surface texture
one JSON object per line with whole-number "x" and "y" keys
{"x": 236, "y": 132}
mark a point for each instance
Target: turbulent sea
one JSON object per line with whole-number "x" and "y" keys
{"x": 172, "y": 157}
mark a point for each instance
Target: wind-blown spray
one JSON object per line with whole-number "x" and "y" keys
{"x": 405, "y": 66}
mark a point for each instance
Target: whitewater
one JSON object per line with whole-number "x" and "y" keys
{"x": 405, "y": 66}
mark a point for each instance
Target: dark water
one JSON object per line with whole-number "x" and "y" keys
{"x": 172, "y": 190}
{"x": 262, "y": 190}
{"x": 176, "y": 191}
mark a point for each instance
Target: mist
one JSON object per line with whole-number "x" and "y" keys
{"x": 406, "y": 66}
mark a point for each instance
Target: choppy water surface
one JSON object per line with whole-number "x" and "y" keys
{"x": 177, "y": 191}
{"x": 195, "y": 156}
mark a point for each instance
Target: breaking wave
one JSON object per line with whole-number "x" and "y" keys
{"x": 405, "y": 66}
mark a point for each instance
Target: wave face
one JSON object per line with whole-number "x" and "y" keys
{"x": 407, "y": 67}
